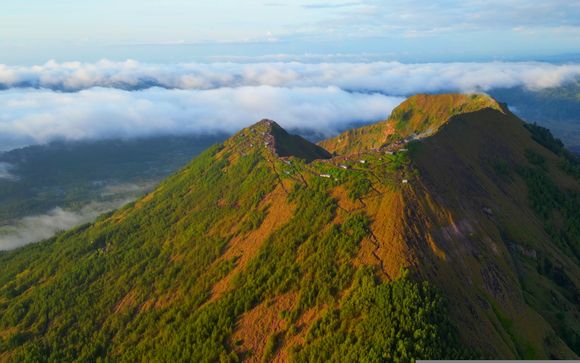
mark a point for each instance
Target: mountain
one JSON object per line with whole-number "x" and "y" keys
{"x": 285, "y": 145}
{"x": 419, "y": 116}
{"x": 450, "y": 230}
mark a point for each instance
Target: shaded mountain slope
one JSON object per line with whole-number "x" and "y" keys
{"x": 466, "y": 245}
{"x": 556, "y": 108}
{"x": 286, "y": 144}
{"x": 505, "y": 216}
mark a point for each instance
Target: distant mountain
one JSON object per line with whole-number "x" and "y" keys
{"x": 450, "y": 230}
{"x": 37, "y": 179}
{"x": 557, "y": 108}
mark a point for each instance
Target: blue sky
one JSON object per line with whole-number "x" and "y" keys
{"x": 34, "y": 31}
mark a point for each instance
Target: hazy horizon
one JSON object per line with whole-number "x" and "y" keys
{"x": 35, "y": 31}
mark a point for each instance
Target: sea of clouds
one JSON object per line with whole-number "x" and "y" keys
{"x": 74, "y": 100}
{"x": 387, "y": 77}
{"x": 31, "y": 116}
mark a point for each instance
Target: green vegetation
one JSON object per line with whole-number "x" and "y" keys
{"x": 70, "y": 303}
{"x": 383, "y": 322}
{"x": 135, "y": 284}
{"x": 544, "y": 137}
{"x": 535, "y": 159}
{"x": 270, "y": 347}
{"x": 398, "y": 161}
{"x": 359, "y": 188}
{"x": 100, "y": 300}
{"x": 559, "y": 209}
{"x": 570, "y": 163}
{"x": 241, "y": 232}
{"x": 418, "y": 115}
{"x": 501, "y": 167}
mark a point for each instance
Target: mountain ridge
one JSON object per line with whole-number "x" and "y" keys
{"x": 261, "y": 250}
{"x": 417, "y": 117}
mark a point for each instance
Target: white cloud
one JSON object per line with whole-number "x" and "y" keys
{"x": 125, "y": 99}
{"x": 36, "y": 228}
{"x": 127, "y": 188}
{"x": 393, "y": 78}
{"x": 6, "y": 171}
{"x": 38, "y": 116}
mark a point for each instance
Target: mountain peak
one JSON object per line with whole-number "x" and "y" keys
{"x": 265, "y": 125}
{"x": 418, "y": 116}
{"x": 424, "y": 114}
{"x": 273, "y": 137}
{"x": 474, "y": 101}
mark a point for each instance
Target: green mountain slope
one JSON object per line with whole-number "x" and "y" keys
{"x": 266, "y": 249}
{"x": 505, "y": 210}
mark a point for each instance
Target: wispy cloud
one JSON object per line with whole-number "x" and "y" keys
{"x": 126, "y": 189}
{"x": 36, "y": 228}
{"x": 487, "y": 29}
{"x": 419, "y": 17}
{"x": 6, "y": 171}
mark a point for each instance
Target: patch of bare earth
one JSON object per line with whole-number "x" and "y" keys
{"x": 6, "y": 333}
{"x": 5, "y": 357}
{"x": 245, "y": 247}
{"x": 127, "y": 302}
{"x": 345, "y": 204}
{"x": 302, "y": 325}
{"x": 385, "y": 247}
{"x": 255, "y": 326}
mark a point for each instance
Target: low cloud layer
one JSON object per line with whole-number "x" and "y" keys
{"x": 37, "y": 116}
{"x": 392, "y": 78}
{"x": 6, "y": 171}
{"x": 129, "y": 99}
{"x": 36, "y": 228}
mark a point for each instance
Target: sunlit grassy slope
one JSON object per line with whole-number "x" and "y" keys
{"x": 420, "y": 115}
{"x": 463, "y": 243}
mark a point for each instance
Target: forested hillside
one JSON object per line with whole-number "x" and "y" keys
{"x": 451, "y": 232}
